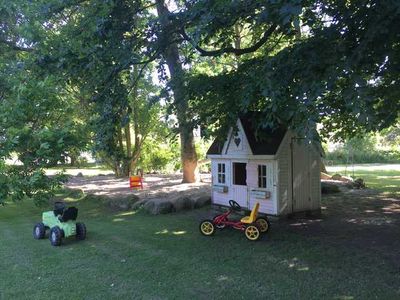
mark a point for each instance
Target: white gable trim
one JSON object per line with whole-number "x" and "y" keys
{"x": 226, "y": 144}
{"x": 245, "y": 143}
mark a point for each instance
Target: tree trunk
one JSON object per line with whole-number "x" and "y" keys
{"x": 127, "y": 161}
{"x": 171, "y": 56}
{"x": 73, "y": 159}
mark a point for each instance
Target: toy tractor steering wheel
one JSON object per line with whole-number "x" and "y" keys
{"x": 235, "y": 206}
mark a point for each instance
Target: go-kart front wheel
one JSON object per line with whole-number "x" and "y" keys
{"x": 207, "y": 227}
{"x": 55, "y": 236}
{"x": 39, "y": 231}
{"x": 263, "y": 224}
{"x": 252, "y": 232}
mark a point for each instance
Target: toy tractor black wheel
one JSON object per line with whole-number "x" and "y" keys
{"x": 39, "y": 231}
{"x": 80, "y": 231}
{"x": 55, "y": 236}
{"x": 263, "y": 224}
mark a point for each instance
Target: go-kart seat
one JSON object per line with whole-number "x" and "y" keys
{"x": 70, "y": 213}
{"x": 253, "y": 215}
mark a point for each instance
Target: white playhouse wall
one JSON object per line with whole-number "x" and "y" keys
{"x": 268, "y": 205}
{"x": 220, "y": 197}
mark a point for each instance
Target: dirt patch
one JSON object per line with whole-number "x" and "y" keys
{"x": 110, "y": 186}
{"x": 362, "y": 219}
{"x": 165, "y": 191}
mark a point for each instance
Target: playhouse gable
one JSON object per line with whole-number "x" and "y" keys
{"x": 243, "y": 141}
{"x": 237, "y": 143}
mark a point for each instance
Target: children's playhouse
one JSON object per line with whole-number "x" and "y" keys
{"x": 275, "y": 168}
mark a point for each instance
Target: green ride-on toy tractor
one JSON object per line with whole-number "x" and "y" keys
{"x": 62, "y": 224}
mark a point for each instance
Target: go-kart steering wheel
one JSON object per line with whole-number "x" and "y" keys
{"x": 235, "y": 206}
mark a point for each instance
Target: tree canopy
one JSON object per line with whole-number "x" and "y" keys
{"x": 300, "y": 63}
{"x": 342, "y": 72}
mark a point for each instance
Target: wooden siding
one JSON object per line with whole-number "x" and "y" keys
{"x": 306, "y": 179}
{"x": 306, "y": 176}
{"x": 315, "y": 165}
{"x": 284, "y": 176}
{"x": 301, "y": 176}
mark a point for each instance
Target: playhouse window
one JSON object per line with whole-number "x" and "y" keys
{"x": 221, "y": 173}
{"x": 262, "y": 176}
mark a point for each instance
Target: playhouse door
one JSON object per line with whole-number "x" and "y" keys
{"x": 239, "y": 183}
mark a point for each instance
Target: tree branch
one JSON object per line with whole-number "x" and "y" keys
{"x": 15, "y": 47}
{"x": 203, "y": 52}
{"x": 66, "y": 4}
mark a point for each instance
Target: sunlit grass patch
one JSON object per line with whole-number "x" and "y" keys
{"x": 384, "y": 178}
{"x": 133, "y": 255}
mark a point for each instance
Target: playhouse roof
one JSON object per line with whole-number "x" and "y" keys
{"x": 265, "y": 142}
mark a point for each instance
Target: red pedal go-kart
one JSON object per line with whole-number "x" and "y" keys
{"x": 252, "y": 225}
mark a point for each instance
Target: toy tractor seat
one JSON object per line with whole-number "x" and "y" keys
{"x": 253, "y": 215}
{"x": 70, "y": 213}
{"x": 59, "y": 208}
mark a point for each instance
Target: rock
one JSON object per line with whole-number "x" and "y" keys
{"x": 346, "y": 179}
{"x": 202, "y": 201}
{"x": 158, "y": 206}
{"x": 336, "y": 177}
{"x": 359, "y": 183}
{"x": 182, "y": 203}
{"x": 94, "y": 197}
{"x": 121, "y": 203}
{"x": 329, "y": 188}
{"x": 139, "y": 204}
{"x": 325, "y": 176}
{"x": 79, "y": 174}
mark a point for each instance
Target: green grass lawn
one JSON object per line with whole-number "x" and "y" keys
{"x": 383, "y": 177}
{"x": 87, "y": 170}
{"x": 132, "y": 255}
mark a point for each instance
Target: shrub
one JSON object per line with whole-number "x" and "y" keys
{"x": 361, "y": 150}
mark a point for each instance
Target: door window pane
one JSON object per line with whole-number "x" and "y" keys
{"x": 262, "y": 176}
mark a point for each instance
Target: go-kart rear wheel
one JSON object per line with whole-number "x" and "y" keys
{"x": 263, "y": 224}
{"x": 80, "y": 231}
{"x": 207, "y": 227}
{"x": 219, "y": 226}
{"x": 39, "y": 231}
{"x": 55, "y": 236}
{"x": 252, "y": 232}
